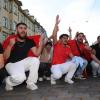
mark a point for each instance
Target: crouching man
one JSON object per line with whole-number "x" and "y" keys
{"x": 17, "y": 62}
{"x": 61, "y": 55}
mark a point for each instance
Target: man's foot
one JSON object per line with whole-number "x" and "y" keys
{"x": 81, "y": 77}
{"x": 8, "y": 87}
{"x": 69, "y": 81}
{"x": 40, "y": 79}
{"x": 53, "y": 81}
{"x": 94, "y": 76}
{"x": 32, "y": 86}
{"x": 47, "y": 78}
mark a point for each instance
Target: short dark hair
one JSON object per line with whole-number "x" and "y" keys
{"x": 21, "y": 23}
{"x": 63, "y": 35}
{"x": 98, "y": 37}
{"x": 79, "y": 34}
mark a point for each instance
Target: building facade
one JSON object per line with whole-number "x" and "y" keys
{"x": 11, "y": 13}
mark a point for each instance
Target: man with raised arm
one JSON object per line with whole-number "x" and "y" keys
{"x": 61, "y": 63}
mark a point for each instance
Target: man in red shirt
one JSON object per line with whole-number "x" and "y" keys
{"x": 78, "y": 47}
{"x": 61, "y": 55}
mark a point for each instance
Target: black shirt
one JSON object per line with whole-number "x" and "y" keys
{"x": 20, "y": 50}
{"x": 97, "y": 49}
{"x": 1, "y": 49}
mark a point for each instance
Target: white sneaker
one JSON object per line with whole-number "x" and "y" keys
{"x": 8, "y": 87}
{"x": 53, "y": 82}
{"x": 94, "y": 76}
{"x": 69, "y": 81}
{"x": 40, "y": 79}
{"x": 32, "y": 86}
{"x": 48, "y": 78}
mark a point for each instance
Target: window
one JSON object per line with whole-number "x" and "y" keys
{"x": 15, "y": 9}
{"x": 14, "y": 25}
{"x": 22, "y": 18}
{"x": 10, "y": 7}
{"x": 5, "y": 22}
{"x": 5, "y": 4}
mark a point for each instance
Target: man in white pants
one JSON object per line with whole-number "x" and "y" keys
{"x": 18, "y": 62}
{"x": 61, "y": 54}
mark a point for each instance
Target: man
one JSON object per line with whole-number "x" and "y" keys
{"x": 1, "y": 64}
{"x": 78, "y": 47}
{"x": 61, "y": 54}
{"x": 17, "y": 62}
{"x": 96, "y": 58}
{"x": 45, "y": 62}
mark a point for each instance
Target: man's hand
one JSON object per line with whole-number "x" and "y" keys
{"x": 56, "y": 28}
{"x": 57, "y": 19}
{"x": 84, "y": 37}
{"x": 42, "y": 39}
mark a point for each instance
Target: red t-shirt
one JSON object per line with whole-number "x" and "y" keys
{"x": 74, "y": 48}
{"x": 60, "y": 53}
{"x": 87, "y": 55}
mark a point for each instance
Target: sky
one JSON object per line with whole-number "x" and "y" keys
{"x": 80, "y": 15}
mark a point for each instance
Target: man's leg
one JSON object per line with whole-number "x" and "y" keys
{"x": 95, "y": 67}
{"x": 47, "y": 71}
{"x": 17, "y": 74}
{"x": 69, "y": 69}
{"x": 32, "y": 64}
{"x": 41, "y": 71}
{"x": 80, "y": 70}
{"x": 56, "y": 73}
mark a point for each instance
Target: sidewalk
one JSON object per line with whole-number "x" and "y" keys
{"x": 81, "y": 90}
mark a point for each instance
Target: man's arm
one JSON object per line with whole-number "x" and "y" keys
{"x": 37, "y": 51}
{"x": 7, "y": 51}
{"x": 70, "y": 33}
{"x": 1, "y": 61}
{"x": 95, "y": 58}
{"x": 55, "y": 30}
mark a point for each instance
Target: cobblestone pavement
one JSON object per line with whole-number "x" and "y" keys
{"x": 88, "y": 89}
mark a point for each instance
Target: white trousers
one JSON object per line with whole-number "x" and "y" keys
{"x": 67, "y": 68}
{"x": 95, "y": 68}
{"x": 17, "y": 71}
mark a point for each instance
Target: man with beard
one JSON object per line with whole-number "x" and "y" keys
{"x": 61, "y": 63}
{"x": 17, "y": 62}
{"x": 78, "y": 47}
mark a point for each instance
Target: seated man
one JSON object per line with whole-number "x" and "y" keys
{"x": 45, "y": 62}
{"x": 17, "y": 62}
{"x": 61, "y": 55}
